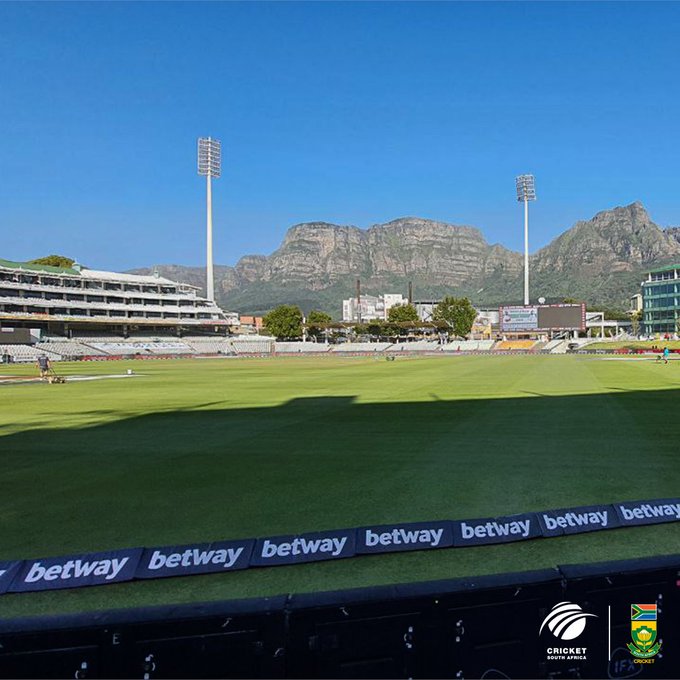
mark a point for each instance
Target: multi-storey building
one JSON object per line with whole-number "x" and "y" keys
{"x": 62, "y": 300}
{"x": 661, "y": 300}
{"x": 371, "y": 307}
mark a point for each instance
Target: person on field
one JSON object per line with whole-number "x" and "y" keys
{"x": 44, "y": 366}
{"x": 666, "y": 353}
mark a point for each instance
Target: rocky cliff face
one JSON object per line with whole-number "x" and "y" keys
{"x": 599, "y": 260}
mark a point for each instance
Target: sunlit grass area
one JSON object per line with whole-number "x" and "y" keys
{"x": 198, "y": 450}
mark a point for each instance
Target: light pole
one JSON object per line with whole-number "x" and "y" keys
{"x": 209, "y": 165}
{"x": 526, "y": 191}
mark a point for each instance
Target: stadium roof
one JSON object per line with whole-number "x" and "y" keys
{"x": 9, "y": 264}
{"x": 91, "y": 273}
{"x": 668, "y": 267}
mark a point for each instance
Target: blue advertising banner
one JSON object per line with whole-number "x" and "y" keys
{"x": 495, "y": 530}
{"x": 76, "y": 571}
{"x": 322, "y": 545}
{"x": 8, "y": 571}
{"x": 577, "y": 520}
{"x": 399, "y": 537}
{"x": 199, "y": 558}
{"x": 634, "y": 513}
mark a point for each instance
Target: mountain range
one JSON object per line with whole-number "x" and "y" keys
{"x": 600, "y": 260}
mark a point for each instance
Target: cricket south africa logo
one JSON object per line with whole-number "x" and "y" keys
{"x": 566, "y": 621}
{"x": 643, "y": 631}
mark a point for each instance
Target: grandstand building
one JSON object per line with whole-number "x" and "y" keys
{"x": 76, "y": 300}
{"x": 661, "y": 300}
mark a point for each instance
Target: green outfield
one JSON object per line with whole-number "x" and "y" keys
{"x": 198, "y": 450}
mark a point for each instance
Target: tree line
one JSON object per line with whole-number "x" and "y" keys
{"x": 452, "y": 315}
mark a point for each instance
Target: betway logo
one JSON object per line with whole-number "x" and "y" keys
{"x": 575, "y": 519}
{"x": 109, "y": 569}
{"x": 303, "y": 546}
{"x": 430, "y": 537}
{"x": 194, "y": 557}
{"x": 496, "y": 529}
{"x": 649, "y": 511}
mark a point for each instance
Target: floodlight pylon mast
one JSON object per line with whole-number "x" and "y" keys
{"x": 526, "y": 191}
{"x": 209, "y": 166}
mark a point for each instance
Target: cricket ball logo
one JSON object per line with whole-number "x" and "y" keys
{"x": 566, "y": 621}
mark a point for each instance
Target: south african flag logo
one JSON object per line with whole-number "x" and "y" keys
{"x": 643, "y": 631}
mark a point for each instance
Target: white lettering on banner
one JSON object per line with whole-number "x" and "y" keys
{"x": 303, "y": 546}
{"x": 575, "y": 519}
{"x": 493, "y": 529}
{"x": 402, "y": 536}
{"x": 646, "y": 511}
{"x": 3, "y": 571}
{"x": 76, "y": 569}
{"x": 194, "y": 558}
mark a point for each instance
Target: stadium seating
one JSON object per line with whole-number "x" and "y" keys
{"x": 126, "y": 348}
{"x": 23, "y": 353}
{"x": 350, "y": 347}
{"x": 254, "y": 346}
{"x": 69, "y": 349}
{"x": 209, "y": 345}
{"x": 300, "y": 347}
{"x": 468, "y": 346}
{"x": 515, "y": 345}
{"x": 417, "y": 346}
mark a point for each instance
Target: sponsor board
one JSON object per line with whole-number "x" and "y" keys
{"x": 495, "y": 530}
{"x": 400, "y": 537}
{"x": 200, "y": 558}
{"x": 8, "y": 571}
{"x": 577, "y": 520}
{"x": 223, "y": 556}
{"x": 295, "y": 549}
{"x": 76, "y": 571}
{"x": 634, "y": 513}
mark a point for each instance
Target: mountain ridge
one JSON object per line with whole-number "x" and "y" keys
{"x": 316, "y": 265}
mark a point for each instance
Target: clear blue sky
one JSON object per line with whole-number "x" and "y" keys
{"x": 351, "y": 113}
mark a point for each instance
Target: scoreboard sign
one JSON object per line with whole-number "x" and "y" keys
{"x": 564, "y": 317}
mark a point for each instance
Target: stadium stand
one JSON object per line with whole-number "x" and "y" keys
{"x": 23, "y": 353}
{"x": 300, "y": 347}
{"x": 209, "y": 345}
{"x": 254, "y": 346}
{"x": 515, "y": 345}
{"x": 349, "y": 347}
{"x": 468, "y": 346}
{"x": 141, "y": 347}
{"x": 417, "y": 346}
{"x": 68, "y": 349}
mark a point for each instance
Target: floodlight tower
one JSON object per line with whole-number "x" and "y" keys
{"x": 526, "y": 191}
{"x": 209, "y": 166}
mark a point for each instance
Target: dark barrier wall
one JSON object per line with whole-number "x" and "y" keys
{"x": 488, "y": 627}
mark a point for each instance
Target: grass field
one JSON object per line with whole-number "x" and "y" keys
{"x": 196, "y": 450}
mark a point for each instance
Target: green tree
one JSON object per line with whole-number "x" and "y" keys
{"x": 400, "y": 313}
{"x": 284, "y": 322}
{"x": 635, "y": 319}
{"x": 54, "y": 261}
{"x": 316, "y": 317}
{"x": 458, "y": 313}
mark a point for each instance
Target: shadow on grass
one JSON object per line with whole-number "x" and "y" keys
{"x": 325, "y": 462}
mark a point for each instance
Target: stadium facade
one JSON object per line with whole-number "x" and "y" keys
{"x": 68, "y": 300}
{"x": 661, "y": 300}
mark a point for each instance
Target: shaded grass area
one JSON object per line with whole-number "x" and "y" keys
{"x": 200, "y": 450}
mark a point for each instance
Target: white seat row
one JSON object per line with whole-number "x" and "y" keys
{"x": 301, "y": 347}
{"x": 468, "y": 346}
{"x": 361, "y": 347}
{"x": 69, "y": 349}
